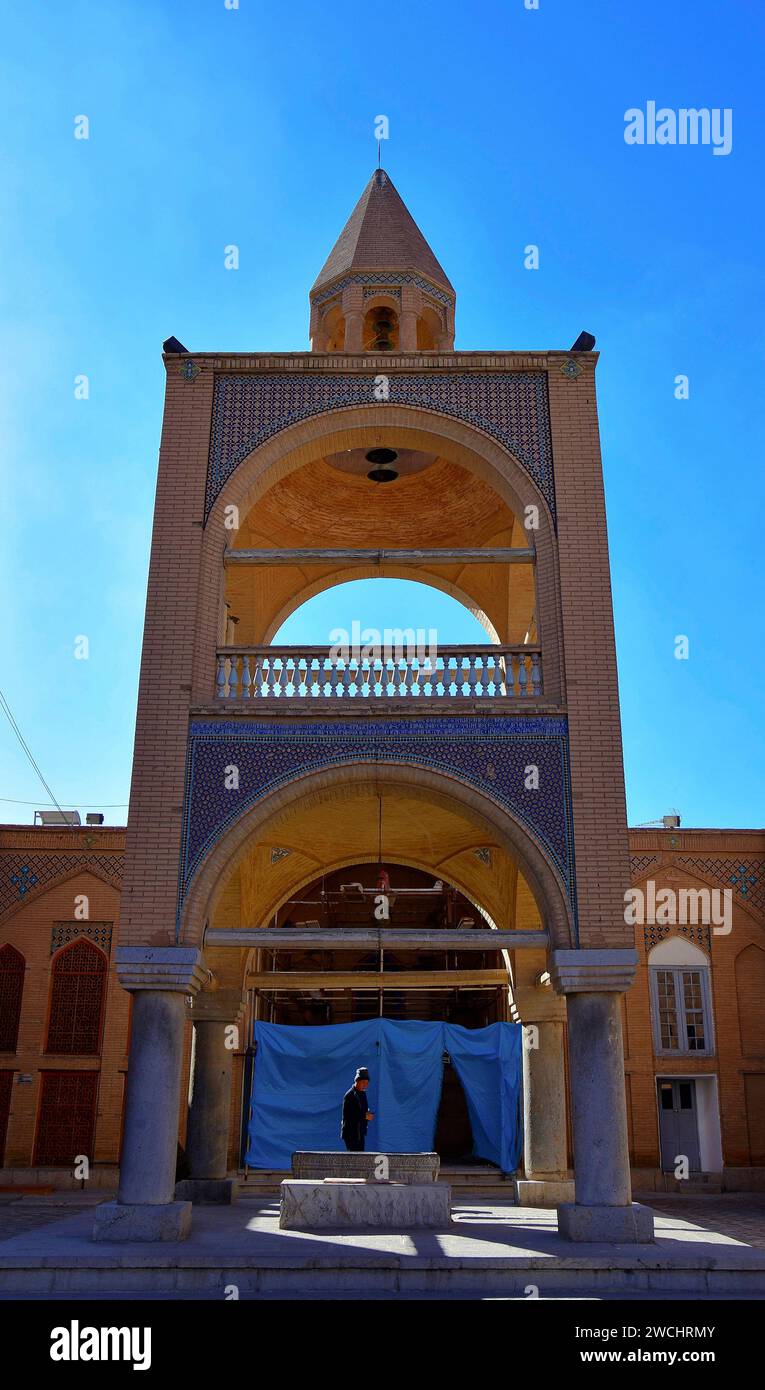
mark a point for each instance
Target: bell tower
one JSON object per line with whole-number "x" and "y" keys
{"x": 381, "y": 289}
{"x": 493, "y": 769}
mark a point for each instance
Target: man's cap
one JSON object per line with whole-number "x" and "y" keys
{"x": 361, "y": 1074}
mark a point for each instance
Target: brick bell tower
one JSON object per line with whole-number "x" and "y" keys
{"x": 382, "y": 451}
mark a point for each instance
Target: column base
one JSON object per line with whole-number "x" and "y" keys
{"x": 142, "y": 1221}
{"x": 544, "y": 1192}
{"x": 217, "y": 1192}
{"x": 618, "y": 1225}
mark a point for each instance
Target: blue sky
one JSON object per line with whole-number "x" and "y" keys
{"x": 255, "y": 126}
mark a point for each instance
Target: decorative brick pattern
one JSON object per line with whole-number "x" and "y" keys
{"x": 63, "y": 932}
{"x": 24, "y": 876}
{"x": 745, "y": 876}
{"x": 511, "y": 406}
{"x": 491, "y": 754}
{"x": 78, "y": 992}
{"x": 67, "y": 1117}
{"x": 11, "y": 994}
{"x": 381, "y": 283}
{"x": 640, "y": 863}
{"x": 376, "y": 290}
{"x": 656, "y": 932}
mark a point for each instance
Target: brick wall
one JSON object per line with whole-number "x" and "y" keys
{"x": 738, "y": 1061}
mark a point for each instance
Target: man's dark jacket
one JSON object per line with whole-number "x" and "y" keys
{"x": 354, "y": 1126}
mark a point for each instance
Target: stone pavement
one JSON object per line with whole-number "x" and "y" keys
{"x": 489, "y": 1250}
{"x": 28, "y": 1211}
{"x": 738, "y": 1215}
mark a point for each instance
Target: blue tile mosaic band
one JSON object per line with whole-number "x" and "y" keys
{"x": 513, "y": 407}
{"x": 491, "y": 754}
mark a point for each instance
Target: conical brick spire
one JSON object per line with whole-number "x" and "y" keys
{"x": 381, "y": 234}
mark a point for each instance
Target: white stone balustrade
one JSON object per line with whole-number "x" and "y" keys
{"x": 312, "y": 673}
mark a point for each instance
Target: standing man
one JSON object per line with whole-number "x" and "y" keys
{"x": 355, "y": 1113}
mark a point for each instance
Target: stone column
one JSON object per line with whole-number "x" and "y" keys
{"x": 160, "y": 978}
{"x": 603, "y": 1210}
{"x": 354, "y": 332}
{"x": 407, "y": 331}
{"x": 353, "y": 312}
{"x": 213, "y": 1015}
{"x": 546, "y": 1182}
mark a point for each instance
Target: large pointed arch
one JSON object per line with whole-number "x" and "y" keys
{"x": 478, "y": 808}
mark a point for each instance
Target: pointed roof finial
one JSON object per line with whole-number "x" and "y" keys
{"x": 381, "y": 234}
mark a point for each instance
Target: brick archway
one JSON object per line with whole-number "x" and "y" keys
{"x": 479, "y": 810}
{"x": 415, "y": 428}
{"x": 350, "y": 575}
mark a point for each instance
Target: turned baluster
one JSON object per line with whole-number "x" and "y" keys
{"x": 220, "y": 678}
{"x": 536, "y": 674}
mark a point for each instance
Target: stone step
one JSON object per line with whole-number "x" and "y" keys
{"x": 156, "y": 1273}
{"x": 488, "y": 1182}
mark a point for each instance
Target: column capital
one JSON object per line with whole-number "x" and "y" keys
{"x": 587, "y": 972}
{"x": 218, "y": 1006}
{"x": 177, "y": 969}
{"x": 539, "y": 1004}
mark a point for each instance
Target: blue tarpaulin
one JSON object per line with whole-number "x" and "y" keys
{"x": 302, "y": 1073}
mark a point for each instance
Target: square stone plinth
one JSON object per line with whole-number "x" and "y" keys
{"x": 216, "y": 1192}
{"x": 133, "y": 1221}
{"x": 326, "y": 1163}
{"x": 310, "y": 1206}
{"x": 544, "y": 1192}
{"x": 619, "y": 1225}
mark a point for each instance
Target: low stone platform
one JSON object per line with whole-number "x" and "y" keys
{"x": 532, "y": 1192}
{"x": 307, "y": 1205}
{"x": 490, "y": 1250}
{"x": 132, "y": 1221}
{"x": 410, "y": 1168}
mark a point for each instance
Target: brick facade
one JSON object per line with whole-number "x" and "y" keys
{"x": 693, "y": 858}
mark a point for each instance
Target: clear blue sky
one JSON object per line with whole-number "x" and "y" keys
{"x": 254, "y": 126}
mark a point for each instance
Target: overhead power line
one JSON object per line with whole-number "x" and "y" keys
{"x": 8, "y": 712}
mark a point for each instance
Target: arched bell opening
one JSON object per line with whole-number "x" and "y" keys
{"x": 381, "y": 329}
{"x": 332, "y": 332}
{"x": 430, "y": 330}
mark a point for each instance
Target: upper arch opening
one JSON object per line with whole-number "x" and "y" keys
{"x": 428, "y": 513}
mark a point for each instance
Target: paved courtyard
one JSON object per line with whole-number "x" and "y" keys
{"x": 705, "y": 1248}
{"x": 737, "y": 1216}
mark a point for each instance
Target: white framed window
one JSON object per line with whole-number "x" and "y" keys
{"x": 681, "y": 1008}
